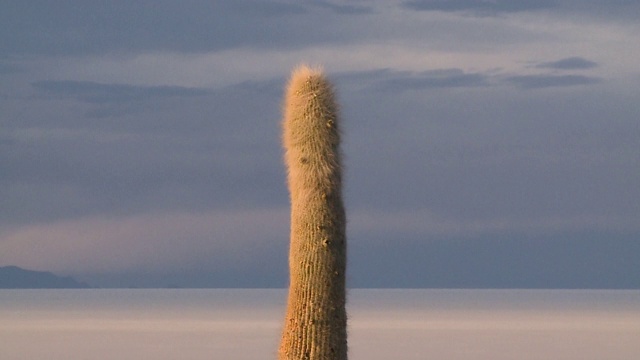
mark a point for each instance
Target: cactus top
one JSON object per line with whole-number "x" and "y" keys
{"x": 311, "y": 134}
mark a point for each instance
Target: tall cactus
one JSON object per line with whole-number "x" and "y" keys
{"x": 316, "y": 320}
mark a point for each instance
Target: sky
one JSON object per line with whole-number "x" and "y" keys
{"x": 487, "y": 143}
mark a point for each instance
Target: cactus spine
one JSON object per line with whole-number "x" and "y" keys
{"x": 316, "y": 321}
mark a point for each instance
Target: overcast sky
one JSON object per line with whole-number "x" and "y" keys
{"x": 487, "y": 143}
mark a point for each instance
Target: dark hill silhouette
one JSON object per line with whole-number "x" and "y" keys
{"x": 13, "y": 277}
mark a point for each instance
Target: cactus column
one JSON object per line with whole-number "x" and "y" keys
{"x": 316, "y": 321}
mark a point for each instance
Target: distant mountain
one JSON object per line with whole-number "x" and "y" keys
{"x": 13, "y": 277}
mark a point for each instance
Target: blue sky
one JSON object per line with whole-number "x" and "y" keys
{"x": 487, "y": 143}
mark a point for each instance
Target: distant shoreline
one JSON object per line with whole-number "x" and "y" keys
{"x": 14, "y": 277}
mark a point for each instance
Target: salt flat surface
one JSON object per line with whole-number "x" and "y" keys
{"x": 383, "y": 324}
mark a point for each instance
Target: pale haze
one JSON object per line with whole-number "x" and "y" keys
{"x": 487, "y": 144}
{"x": 239, "y": 324}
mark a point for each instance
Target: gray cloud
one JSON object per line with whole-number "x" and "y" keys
{"x": 479, "y": 7}
{"x": 158, "y": 154}
{"x": 445, "y": 78}
{"x": 278, "y": 9}
{"x": 92, "y": 173}
{"x": 389, "y": 80}
{"x": 502, "y": 157}
{"x": 97, "y": 93}
{"x": 80, "y": 28}
{"x": 344, "y": 9}
{"x": 570, "y": 63}
{"x": 9, "y": 68}
{"x": 114, "y": 100}
{"x": 566, "y": 260}
{"x": 616, "y": 11}
{"x": 546, "y": 81}
{"x": 77, "y": 28}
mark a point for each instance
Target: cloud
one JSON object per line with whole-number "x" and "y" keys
{"x": 487, "y": 153}
{"x": 279, "y": 9}
{"x": 114, "y": 100}
{"x": 478, "y": 6}
{"x": 547, "y": 81}
{"x": 197, "y": 27}
{"x": 10, "y": 68}
{"x": 441, "y": 78}
{"x": 426, "y": 223}
{"x": 344, "y": 9}
{"x": 153, "y": 242}
{"x": 172, "y": 148}
{"x": 392, "y": 80}
{"x": 533, "y": 260}
{"x": 570, "y": 63}
{"x": 51, "y": 174}
{"x": 191, "y": 26}
{"x": 618, "y": 11}
{"x": 97, "y": 93}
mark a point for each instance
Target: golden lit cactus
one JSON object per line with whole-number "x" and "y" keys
{"x": 316, "y": 322}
